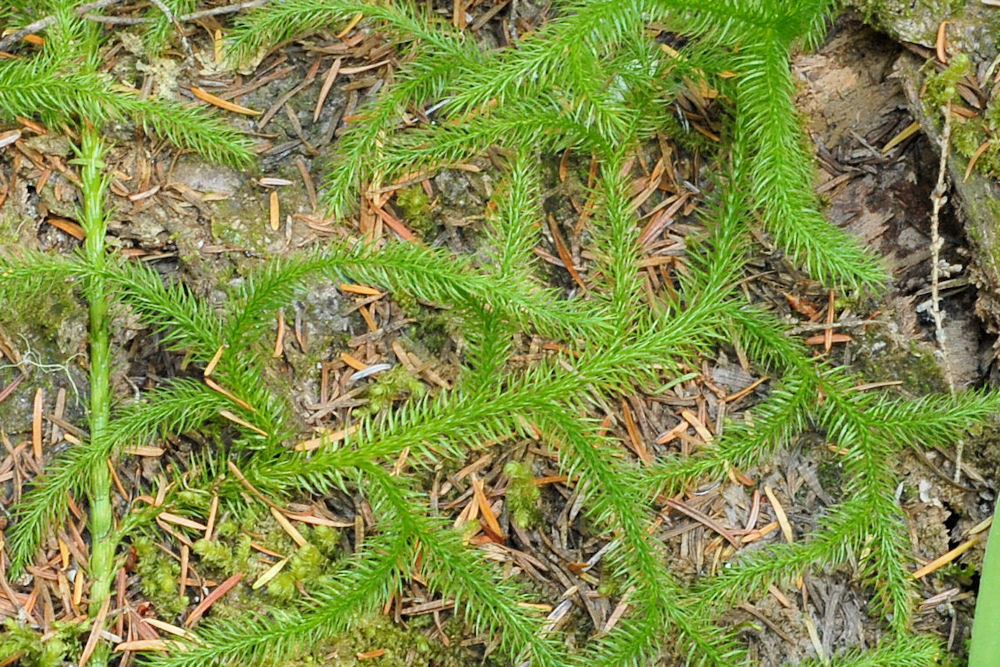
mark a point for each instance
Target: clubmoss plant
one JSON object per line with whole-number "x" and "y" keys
{"x": 63, "y": 86}
{"x": 594, "y": 80}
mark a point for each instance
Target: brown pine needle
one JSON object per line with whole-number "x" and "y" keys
{"x": 331, "y": 76}
{"x": 279, "y": 340}
{"x": 287, "y": 526}
{"x": 564, "y": 253}
{"x": 485, "y": 509}
{"x": 905, "y": 134}
{"x": 697, "y": 425}
{"x": 142, "y": 645}
{"x": 215, "y": 386}
{"x": 206, "y": 96}
{"x": 212, "y": 598}
{"x": 779, "y": 514}
{"x": 975, "y": 158}
{"x": 242, "y": 422}
{"x": 215, "y": 360}
{"x": 353, "y": 362}
{"x": 946, "y": 558}
{"x": 326, "y": 439}
{"x": 95, "y": 632}
{"x": 67, "y": 226}
{"x": 364, "y": 290}
{"x": 178, "y": 520}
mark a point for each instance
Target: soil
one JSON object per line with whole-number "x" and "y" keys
{"x": 207, "y": 225}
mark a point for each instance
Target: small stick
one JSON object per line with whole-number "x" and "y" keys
{"x": 42, "y": 24}
{"x": 85, "y": 12}
{"x": 118, "y": 20}
{"x": 177, "y": 26}
{"x": 227, "y": 9}
{"x": 938, "y": 199}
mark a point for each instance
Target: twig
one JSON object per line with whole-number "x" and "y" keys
{"x": 42, "y": 24}
{"x": 938, "y": 199}
{"x": 118, "y": 20}
{"x": 86, "y": 10}
{"x": 228, "y": 9}
{"x": 177, "y": 26}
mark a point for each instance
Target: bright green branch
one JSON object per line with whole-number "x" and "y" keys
{"x": 94, "y": 221}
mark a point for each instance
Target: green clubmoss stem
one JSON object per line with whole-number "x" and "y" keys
{"x": 102, "y": 552}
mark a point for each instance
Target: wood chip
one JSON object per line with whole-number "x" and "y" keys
{"x": 396, "y": 225}
{"x": 318, "y": 520}
{"x": 703, "y": 519}
{"x": 975, "y": 158}
{"x": 36, "y": 424}
{"x": 275, "y": 211}
{"x": 221, "y": 103}
{"x": 272, "y": 182}
{"x": 213, "y": 511}
{"x": 633, "y": 434}
{"x": 673, "y": 433}
{"x": 215, "y": 386}
{"x": 95, "y": 632}
{"x": 279, "y": 340}
{"x": 145, "y": 194}
{"x": 755, "y": 535}
{"x": 185, "y": 559}
{"x": 350, "y": 25}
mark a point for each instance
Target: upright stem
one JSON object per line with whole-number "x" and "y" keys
{"x": 102, "y": 552}
{"x": 985, "y": 645}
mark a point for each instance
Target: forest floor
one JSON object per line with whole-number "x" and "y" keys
{"x": 206, "y": 225}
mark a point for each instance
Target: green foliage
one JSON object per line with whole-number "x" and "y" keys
{"x": 941, "y": 89}
{"x": 158, "y": 578}
{"x": 590, "y": 79}
{"x": 522, "y": 494}
{"x": 415, "y": 206}
{"x": 25, "y": 647}
{"x": 391, "y": 386}
{"x": 904, "y": 651}
{"x": 64, "y": 84}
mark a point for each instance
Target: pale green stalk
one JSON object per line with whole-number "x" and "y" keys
{"x": 985, "y": 645}
{"x": 102, "y": 553}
